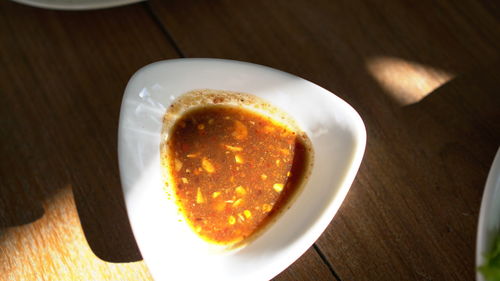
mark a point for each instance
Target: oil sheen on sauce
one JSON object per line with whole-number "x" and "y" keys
{"x": 233, "y": 170}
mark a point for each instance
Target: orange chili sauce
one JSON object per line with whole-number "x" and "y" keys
{"x": 233, "y": 170}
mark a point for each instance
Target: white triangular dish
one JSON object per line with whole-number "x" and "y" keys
{"x": 169, "y": 248}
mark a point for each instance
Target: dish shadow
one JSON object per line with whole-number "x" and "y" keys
{"x": 108, "y": 234}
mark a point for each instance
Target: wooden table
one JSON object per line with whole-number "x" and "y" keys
{"x": 424, "y": 76}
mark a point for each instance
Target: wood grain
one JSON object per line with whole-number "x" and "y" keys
{"x": 423, "y": 77}
{"x": 54, "y": 248}
{"x": 62, "y": 214}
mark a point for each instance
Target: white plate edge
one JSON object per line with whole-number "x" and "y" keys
{"x": 492, "y": 183}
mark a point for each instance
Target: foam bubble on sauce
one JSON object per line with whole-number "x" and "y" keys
{"x": 206, "y": 97}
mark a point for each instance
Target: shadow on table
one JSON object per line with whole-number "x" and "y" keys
{"x": 457, "y": 143}
{"x": 15, "y": 211}
{"x": 437, "y": 154}
{"x": 84, "y": 157}
{"x": 62, "y": 132}
{"x": 109, "y": 235}
{"x": 471, "y": 128}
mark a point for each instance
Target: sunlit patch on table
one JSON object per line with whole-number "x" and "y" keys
{"x": 45, "y": 248}
{"x": 405, "y": 81}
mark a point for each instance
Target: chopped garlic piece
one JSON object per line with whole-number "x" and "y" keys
{"x": 177, "y": 164}
{"x": 240, "y": 130}
{"x": 237, "y": 202}
{"x": 238, "y": 159}
{"x": 284, "y": 151}
{"x": 266, "y": 207}
{"x": 231, "y": 220}
{"x": 263, "y": 177}
{"x": 278, "y": 162}
{"x": 240, "y": 190}
{"x": 207, "y": 165}
{"x": 278, "y": 187}
{"x": 192, "y": 155}
{"x": 184, "y": 180}
{"x": 199, "y": 197}
{"x": 215, "y": 194}
{"x": 241, "y": 217}
{"x": 233, "y": 148}
{"x": 247, "y": 214}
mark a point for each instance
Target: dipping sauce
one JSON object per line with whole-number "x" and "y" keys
{"x": 233, "y": 170}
